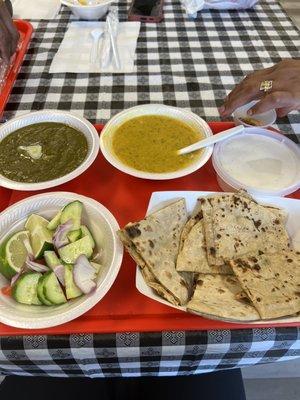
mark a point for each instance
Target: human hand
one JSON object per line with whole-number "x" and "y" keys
{"x": 284, "y": 95}
{"x": 9, "y": 35}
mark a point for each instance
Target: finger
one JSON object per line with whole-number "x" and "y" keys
{"x": 239, "y": 99}
{"x": 5, "y": 53}
{"x": 282, "y": 112}
{"x": 279, "y": 99}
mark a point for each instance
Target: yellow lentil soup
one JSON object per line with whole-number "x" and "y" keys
{"x": 149, "y": 143}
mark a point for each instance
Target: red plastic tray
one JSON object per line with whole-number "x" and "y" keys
{"x": 124, "y": 309}
{"x": 25, "y": 29}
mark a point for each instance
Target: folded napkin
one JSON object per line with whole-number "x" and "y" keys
{"x": 36, "y": 9}
{"x": 74, "y": 53}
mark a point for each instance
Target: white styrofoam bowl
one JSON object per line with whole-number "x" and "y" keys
{"x": 181, "y": 114}
{"x": 103, "y": 226}
{"x": 67, "y": 118}
{"x": 88, "y": 12}
{"x": 266, "y": 119}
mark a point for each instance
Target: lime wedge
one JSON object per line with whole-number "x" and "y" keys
{"x": 41, "y": 237}
{"x": 13, "y": 254}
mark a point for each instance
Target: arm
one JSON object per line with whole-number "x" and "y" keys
{"x": 9, "y": 35}
{"x": 284, "y": 95}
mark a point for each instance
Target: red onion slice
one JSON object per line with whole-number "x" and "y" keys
{"x": 16, "y": 277}
{"x": 84, "y": 275}
{"x": 34, "y": 266}
{"x": 59, "y": 271}
{"x": 60, "y": 235}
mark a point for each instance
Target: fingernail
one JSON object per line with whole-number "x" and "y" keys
{"x": 222, "y": 109}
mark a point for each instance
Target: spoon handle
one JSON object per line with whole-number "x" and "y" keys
{"x": 212, "y": 140}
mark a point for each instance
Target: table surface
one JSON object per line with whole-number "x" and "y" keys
{"x": 180, "y": 62}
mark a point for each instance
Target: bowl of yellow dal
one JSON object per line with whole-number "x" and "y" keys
{"x": 142, "y": 141}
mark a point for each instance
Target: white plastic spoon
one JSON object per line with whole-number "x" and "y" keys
{"x": 96, "y": 34}
{"x": 211, "y": 140}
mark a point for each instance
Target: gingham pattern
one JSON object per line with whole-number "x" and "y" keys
{"x": 144, "y": 354}
{"x": 191, "y": 64}
{"x": 181, "y": 62}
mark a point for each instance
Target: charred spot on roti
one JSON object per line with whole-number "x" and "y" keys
{"x": 133, "y": 231}
{"x": 151, "y": 243}
{"x": 289, "y": 260}
{"x": 212, "y": 251}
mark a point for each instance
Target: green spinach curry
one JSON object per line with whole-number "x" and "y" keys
{"x": 150, "y": 143}
{"x": 41, "y": 152}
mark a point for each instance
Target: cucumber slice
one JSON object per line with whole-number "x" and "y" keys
{"x": 51, "y": 259}
{"x": 86, "y": 232}
{"x": 41, "y": 237}
{"x": 72, "y": 211}
{"x": 52, "y": 290}
{"x": 72, "y": 291}
{"x": 40, "y": 291}
{"x": 72, "y": 251}
{"x": 25, "y": 289}
{"x": 55, "y": 221}
{"x": 74, "y": 235}
{"x": 96, "y": 266}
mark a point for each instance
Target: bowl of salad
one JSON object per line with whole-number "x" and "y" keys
{"x": 59, "y": 256}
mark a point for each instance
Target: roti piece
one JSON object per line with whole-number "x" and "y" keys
{"x": 217, "y": 296}
{"x": 192, "y": 257}
{"x": 271, "y": 281}
{"x": 155, "y": 240}
{"x": 236, "y": 225}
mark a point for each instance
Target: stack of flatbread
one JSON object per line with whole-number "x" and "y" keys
{"x": 230, "y": 260}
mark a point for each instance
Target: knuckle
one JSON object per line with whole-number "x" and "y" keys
{"x": 276, "y": 98}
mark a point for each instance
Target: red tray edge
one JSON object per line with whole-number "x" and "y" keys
{"x": 120, "y": 324}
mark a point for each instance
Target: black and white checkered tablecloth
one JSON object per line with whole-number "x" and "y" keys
{"x": 187, "y": 63}
{"x": 181, "y": 62}
{"x": 134, "y": 354}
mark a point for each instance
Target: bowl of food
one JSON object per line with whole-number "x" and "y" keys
{"x": 45, "y": 149}
{"x": 143, "y": 141}
{"x": 59, "y": 255}
{"x": 88, "y": 9}
{"x": 262, "y": 120}
{"x": 260, "y": 161}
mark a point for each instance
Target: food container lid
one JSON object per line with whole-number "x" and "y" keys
{"x": 260, "y": 161}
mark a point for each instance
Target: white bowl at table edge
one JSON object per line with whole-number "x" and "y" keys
{"x": 79, "y": 123}
{"x": 38, "y": 317}
{"x": 187, "y": 117}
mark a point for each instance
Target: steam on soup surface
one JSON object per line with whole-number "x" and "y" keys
{"x": 149, "y": 143}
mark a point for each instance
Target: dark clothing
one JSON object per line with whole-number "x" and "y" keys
{"x": 227, "y": 385}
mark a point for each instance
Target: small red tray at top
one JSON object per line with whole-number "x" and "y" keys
{"x": 25, "y": 29}
{"x": 124, "y": 309}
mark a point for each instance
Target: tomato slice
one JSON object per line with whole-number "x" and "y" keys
{"x": 6, "y": 290}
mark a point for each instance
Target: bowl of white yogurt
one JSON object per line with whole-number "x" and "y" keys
{"x": 260, "y": 161}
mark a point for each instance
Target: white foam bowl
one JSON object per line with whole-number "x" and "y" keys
{"x": 189, "y": 118}
{"x": 103, "y": 227}
{"x": 89, "y": 12}
{"x": 81, "y": 124}
{"x": 271, "y": 149}
{"x": 266, "y": 119}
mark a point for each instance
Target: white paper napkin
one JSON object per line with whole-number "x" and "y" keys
{"x": 74, "y": 52}
{"x": 36, "y": 9}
